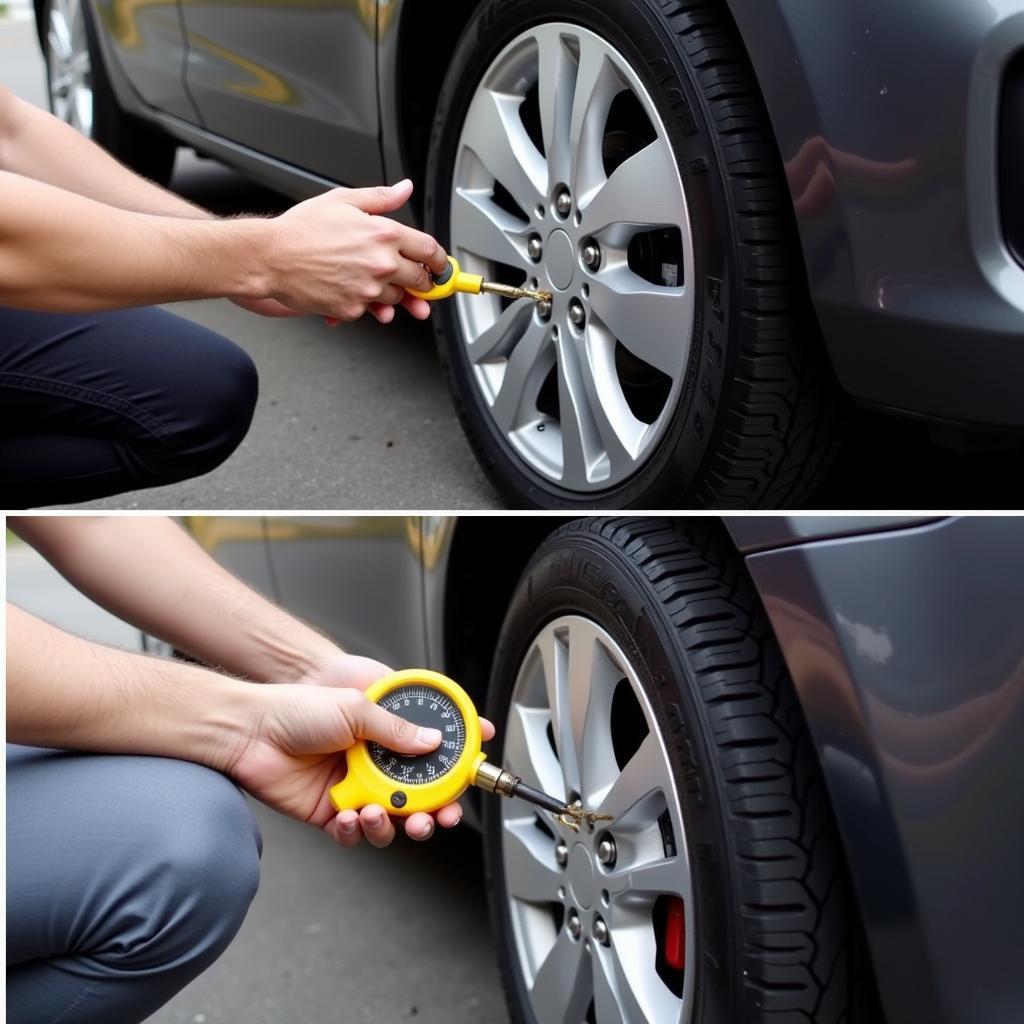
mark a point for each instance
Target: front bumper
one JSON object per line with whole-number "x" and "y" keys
{"x": 888, "y": 118}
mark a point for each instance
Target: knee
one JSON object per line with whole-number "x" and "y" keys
{"x": 220, "y": 409}
{"x": 201, "y": 876}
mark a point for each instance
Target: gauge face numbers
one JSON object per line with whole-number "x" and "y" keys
{"x": 428, "y": 707}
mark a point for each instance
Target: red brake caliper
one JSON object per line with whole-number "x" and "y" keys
{"x": 675, "y": 934}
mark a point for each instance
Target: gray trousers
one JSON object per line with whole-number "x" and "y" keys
{"x": 126, "y": 878}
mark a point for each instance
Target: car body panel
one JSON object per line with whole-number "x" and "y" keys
{"x": 762, "y": 533}
{"x": 891, "y": 159}
{"x": 143, "y": 39}
{"x": 239, "y": 543}
{"x": 294, "y": 79}
{"x": 907, "y": 653}
{"x": 358, "y": 578}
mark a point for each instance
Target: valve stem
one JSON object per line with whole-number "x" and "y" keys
{"x": 514, "y": 293}
{"x": 496, "y": 780}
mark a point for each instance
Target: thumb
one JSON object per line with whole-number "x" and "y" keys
{"x": 381, "y": 198}
{"x": 372, "y": 722}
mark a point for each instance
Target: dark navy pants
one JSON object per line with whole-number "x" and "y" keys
{"x": 99, "y": 403}
{"x": 126, "y": 878}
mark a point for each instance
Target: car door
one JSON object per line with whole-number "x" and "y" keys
{"x": 145, "y": 38}
{"x": 358, "y": 578}
{"x": 293, "y": 79}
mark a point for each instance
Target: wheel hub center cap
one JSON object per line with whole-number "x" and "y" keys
{"x": 581, "y": 876}
{"x": 559, "y": 259}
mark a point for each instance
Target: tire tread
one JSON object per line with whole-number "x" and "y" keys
{"x": 783, "y": 429}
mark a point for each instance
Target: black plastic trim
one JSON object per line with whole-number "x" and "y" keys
{"x": 1011, "y": 157}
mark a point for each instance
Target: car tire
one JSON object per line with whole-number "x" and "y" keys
{"x": 753, "y": 415}
{"x": 93, "y": 108}
{"x": 769, "y": 932}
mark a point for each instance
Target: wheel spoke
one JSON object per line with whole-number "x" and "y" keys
{"x": 597, "y": 84}
{"x": 647, "y": 319}
{"x": 485, "y": 229}
{"x": 59, "y": 36}
{"x": 621, "y": 433}
{"x": 643, "y": 190}
{"x": 531, "y": 873}
{"x": 668, "y": 875}
{"x": 579, "y": 447}
{"x": 527, "y": 752}
{"x": 642, "y": 994}
{"x": 591, "y": 681}
{"x": 556, "y": 83}
{"x": 556, "y": 678}
{"x": 501, "y": 337}
{"x": 613, "y": 1002}
{"x": 560, "y": 990}
{"x": 525, "y": 371}
{"x": 494, "y": 131}
{"x": 638, "y": 779}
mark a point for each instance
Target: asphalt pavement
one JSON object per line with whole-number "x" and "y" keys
{"x": 333, "y": 935}
{"x": 360, "y": 416}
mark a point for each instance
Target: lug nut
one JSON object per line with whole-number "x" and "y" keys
{"x": 600, "y": 930}
{"x": 576, "y": 312}
{"x": 563, "y": 202}
{"x": 606, "y": 851}
{"x": 572, "y": 924}
{"x": 562, "y": 854}
{"x": 592, "y": 255}
{"x": 534, "y": 247}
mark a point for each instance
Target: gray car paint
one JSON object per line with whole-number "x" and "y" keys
{"x": 920, "y": 302}
{"x": 294, "y": 79}
{"x": 907, "y": 652}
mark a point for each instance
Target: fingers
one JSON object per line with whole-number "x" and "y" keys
{"x": 420, "y": 247}
{"x": 369, "y": 721}
{"x": 419, "y": 308}
{"x": 344, "y": 828}
{"x": 376, "y": 825}
{"x": 450, "y": 815}
{"x": 419, "y": 826}
{"x": 348, "y": 827}
{"x": 391, "y": 294}
{"x": 379, "y": 199}
{"x": 486, "y": 729}
{"x": 411, "y": 275}
{"x": 381, "y": 313}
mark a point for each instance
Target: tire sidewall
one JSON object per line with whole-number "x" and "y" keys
{"x": 580, "y": 575}
{"x": 653, "y": 51}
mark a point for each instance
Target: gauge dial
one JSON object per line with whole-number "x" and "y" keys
{"x": 424, "y": 705}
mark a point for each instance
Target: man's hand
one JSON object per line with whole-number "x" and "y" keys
{"x": 335, "y": 255}
{"x": 352, "y": 670}
{"x": 295, "y": 753}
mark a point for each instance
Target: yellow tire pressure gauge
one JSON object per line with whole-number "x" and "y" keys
{"x": 406, "y": 783}
{"x": 454, "y": 279}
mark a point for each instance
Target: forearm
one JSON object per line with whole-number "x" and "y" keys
{"x": 62, "y": 252}
{"x": 29, "y": 138}
{"x": 66, "y": 692}
{"x": 149, "y": 572}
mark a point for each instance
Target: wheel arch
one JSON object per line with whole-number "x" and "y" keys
{"x": 412, "y": 67}
{"x": 482, "y": 573}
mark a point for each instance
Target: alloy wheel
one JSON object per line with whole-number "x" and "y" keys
{"x": 69, "y": 66}
{"x": 592, "y": 912}
{"x": 565, "y": 180}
